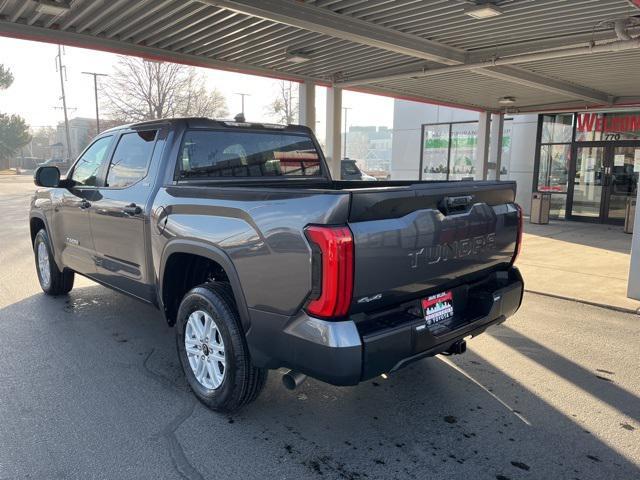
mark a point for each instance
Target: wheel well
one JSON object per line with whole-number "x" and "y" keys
{"x": 35, "y": 224}
{"x": 182, "y": 272}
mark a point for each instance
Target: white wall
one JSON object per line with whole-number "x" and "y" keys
{"x": 408, "y": 118}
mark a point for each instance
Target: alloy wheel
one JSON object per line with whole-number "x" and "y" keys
{"x": 205, "y": 349}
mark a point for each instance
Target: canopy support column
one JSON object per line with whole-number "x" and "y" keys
{"x": 334, "y": 134}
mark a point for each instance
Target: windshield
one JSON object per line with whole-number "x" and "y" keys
{"x": 214, "y": 153}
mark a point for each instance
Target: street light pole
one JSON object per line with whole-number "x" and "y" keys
{"x": 242, "y": 95}
{"x": 344, "y": 148}
{"x": 95, "y": 90}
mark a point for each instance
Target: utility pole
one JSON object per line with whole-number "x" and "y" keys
{"x": 60, "y": 68}
{"x": 290, "y": 107}
{"x": 95, "y": 90}
{"x": 242, "y": 95}
{"x": 344, "y": 148}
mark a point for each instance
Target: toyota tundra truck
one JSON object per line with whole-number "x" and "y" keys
{"x": 237, "y": 233}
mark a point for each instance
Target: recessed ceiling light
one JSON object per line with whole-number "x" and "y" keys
{"x": 507, "y": 100}
{"x": 484, "y": 10}
{"x": 297, "y": 56}
{"x": 49, "y": 7}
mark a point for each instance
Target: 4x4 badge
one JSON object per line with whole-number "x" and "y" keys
{"x": 377, "y": 296}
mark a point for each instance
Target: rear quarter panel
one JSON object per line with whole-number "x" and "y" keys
{"x": 260, "y": 230}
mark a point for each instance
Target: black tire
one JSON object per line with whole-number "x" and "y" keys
{"x": 242, "y": 382}
{"x": 60, "y": 282}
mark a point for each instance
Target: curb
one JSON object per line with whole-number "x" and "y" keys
{"x": 586, "y": 302}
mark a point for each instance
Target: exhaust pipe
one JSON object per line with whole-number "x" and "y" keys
{"x": 291, "y": 380}
{"x": 458, "y": 348}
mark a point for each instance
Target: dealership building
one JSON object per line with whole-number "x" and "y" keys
{"x": 588, "y": 162}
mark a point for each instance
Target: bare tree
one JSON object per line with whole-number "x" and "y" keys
{"x": 6, "y": 77}
{"x": 141, "y": 89}
{"x": 196, "y": 101}
{"x": 284, "y": 108}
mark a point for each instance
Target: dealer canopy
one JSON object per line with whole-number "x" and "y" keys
{"x": 522, "y": 55}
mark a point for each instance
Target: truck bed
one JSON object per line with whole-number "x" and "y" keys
{"x": 406, "y": 240}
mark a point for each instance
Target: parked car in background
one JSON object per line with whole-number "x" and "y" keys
{"x": 351, "y": 171}
{"x": 26, "y": 165}
{"x": 237, "y": 233}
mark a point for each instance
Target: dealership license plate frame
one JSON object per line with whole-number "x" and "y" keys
{"x": 437, "y": 308}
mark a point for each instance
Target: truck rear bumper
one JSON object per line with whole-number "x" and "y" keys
{"x": 348, "y": 352}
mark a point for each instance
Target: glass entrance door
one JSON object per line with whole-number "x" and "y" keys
{"x": 604, "y": 177}
{"x": 588, "y": 183}
{"x": 624, "y": 168}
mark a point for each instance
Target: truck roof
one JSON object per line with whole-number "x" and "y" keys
{"x": 203, "y": 122}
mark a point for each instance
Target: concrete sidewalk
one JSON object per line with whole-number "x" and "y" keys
{"x": 579, "y": 261}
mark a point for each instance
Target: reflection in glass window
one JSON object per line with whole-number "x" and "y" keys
{"x": 85, "y": 172}
{"x": 505, "y": 159}
{"x": 209, "y": 153}
{"x": 558, "y": 208}
{"x": 131, "y": 158}
{"x": 464, "y": 151}
{"x": 622, "y": 126}
{"x": 589, "y": 127}
{"x": 557, "y": 128}
{"x": 435, "y": 152}
{"x": 553, "y": 173}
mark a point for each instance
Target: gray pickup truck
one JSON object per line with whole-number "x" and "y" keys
{"x": 240, "y": 237}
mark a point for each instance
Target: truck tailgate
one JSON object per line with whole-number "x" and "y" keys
{"x": 427, "y": 237}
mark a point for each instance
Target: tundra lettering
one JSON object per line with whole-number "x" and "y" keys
{"x": 455, "y": 249}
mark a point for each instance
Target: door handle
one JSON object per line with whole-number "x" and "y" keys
{"x": 84, "y": 204}
{"x": 132, "y": 209}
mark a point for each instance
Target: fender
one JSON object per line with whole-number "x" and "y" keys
{"x": 216, "y": 254}
{"x": 41, "y": 216}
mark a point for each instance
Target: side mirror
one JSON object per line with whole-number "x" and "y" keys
{"x": 47, "y": 177}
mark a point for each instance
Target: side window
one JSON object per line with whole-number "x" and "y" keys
{"x": 86, "y": 171}
{"x": 131, "y": 159}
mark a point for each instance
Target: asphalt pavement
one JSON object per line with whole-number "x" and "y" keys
{"x": 91, "y": 387}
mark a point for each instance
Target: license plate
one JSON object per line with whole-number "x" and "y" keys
{"x": 437, "y": 308}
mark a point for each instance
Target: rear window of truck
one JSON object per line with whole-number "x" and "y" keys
{"x": 216, "y": 153}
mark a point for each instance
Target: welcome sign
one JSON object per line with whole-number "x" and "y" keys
{"x": 613, "y": 126}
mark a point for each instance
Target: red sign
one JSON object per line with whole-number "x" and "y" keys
{"x": 590, "y": 122}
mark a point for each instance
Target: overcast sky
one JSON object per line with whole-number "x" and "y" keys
{"x": 36, "y": 89}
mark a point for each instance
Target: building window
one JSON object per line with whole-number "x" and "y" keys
{"x": 555, "y": 153}
{"x": 450, "y": 151}
{"x": 435, "y": 151}
{"x": 557, "y": 128}
{"x": 608, "y": 127}
{"x": 553, "y": 174}
{"x": 507, "y": 135}
{"x": 558, "y": 208}
{"x": 463, "y": 153}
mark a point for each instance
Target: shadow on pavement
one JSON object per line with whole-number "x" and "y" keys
{"x": 602, "y": 388}
{"x": 95, "y": 379}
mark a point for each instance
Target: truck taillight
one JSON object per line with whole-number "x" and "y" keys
{"x": 332, "y": 273}
{"x": 520, "y": 230}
